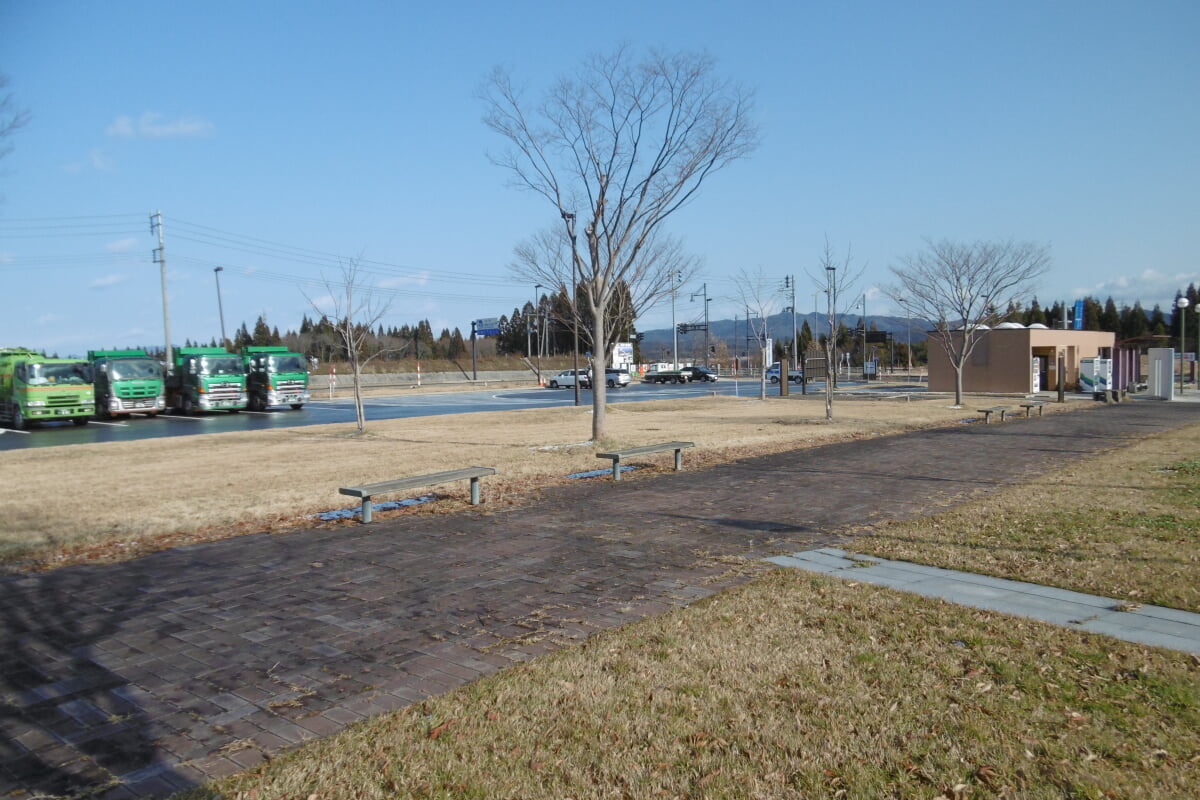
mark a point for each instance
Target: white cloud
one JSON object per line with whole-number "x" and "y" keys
{"x": 100, "y": 161}
{"x": 420, "y": 279}
{"x": 1150, "y": 286}
{"x": 152, "y": 125}
{"x": 107, "y": 281}
{"x": 125, "y": 245}
{"x": 50, "y": 319}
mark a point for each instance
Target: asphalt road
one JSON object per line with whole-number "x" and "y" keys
{"x": 322, "y": 411}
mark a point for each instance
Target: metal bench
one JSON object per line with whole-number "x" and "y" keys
{"x": 618, "y": 455}
{"x": 416, "y": 481}
{"x": 1029, "y": 407}
{"x": 987, "y": 413}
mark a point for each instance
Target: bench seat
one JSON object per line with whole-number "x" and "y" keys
{"x": 417, "y": 481}
{"x": 1029, "y": 407}
{"x": 618, "y": 455}
{"x": 987, "y": 413}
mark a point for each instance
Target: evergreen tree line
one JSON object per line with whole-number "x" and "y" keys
{"x": 318, "y": 338}
{"x": 546, "y": 329}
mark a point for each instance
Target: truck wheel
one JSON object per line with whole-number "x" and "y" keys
{"x": 297, "y": 406}
{"x": 612, "y": 384}
{"x": 18, "y": 421}
{"x": 774, "y": 379}
{"x": 186, "y": 408}
{"x": 81, "y": 421}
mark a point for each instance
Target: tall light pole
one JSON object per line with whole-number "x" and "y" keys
{"x": 569, "y": 218}
{"x": 674, "y": 328}
{"x": 864, "y": 308}
{"x": 1182, "y": 303}
{"x": 907, "y": 331}
{"x": 220, "y": 308}
{"x": 704, "y": 296}
{"x": 538, "y": 318}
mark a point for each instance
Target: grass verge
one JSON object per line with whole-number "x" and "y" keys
{"x": 792, "y": 686}
{"x": 1124, "y": 525}
{"x": 116, "y": 500}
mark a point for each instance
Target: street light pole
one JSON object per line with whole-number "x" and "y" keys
{"x": 1182, "y": 303}
{"x": 674, "y": 329}
{"x": 220, "y": 309}
{"x": 538, "y": 317}
{"x": 704, "y": 296}
{"x": 831, "y": 349}
{"x": 569, "y": 218}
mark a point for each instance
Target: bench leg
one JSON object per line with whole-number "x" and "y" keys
{"x": 678, "y": 460}
{"x": 366, "y": 511}
{"x": 474, "y": 491}
{"x": 1002, "y": 416}
{"x": 616, "y": 469}
{"x": 987, "y": 417}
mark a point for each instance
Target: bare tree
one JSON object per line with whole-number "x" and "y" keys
{"x": 839, "y": 277}
{"x": 621, "y": 146}
{"x": 547, "y": 258}
{"x": 12, "y": 117}
{"x": 757, "y": 295}
{"x": 967, "y": 288}
{"x": 353, "y": 309}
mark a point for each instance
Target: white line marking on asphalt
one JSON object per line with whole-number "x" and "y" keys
{"x": 8, "y": 430}
{"x": 111, "y": 424}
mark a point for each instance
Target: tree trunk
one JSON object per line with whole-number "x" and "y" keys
{"x": 599, "y": 379}
{"x": 958, "y": 384}
{"x": 358, "y": 403}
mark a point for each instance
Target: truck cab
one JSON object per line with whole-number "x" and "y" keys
{"x": 206, "y": 379}
{"x": 127, "y": 382}
{"x": 34, "y": 388}
{"x": 275, "y": 376}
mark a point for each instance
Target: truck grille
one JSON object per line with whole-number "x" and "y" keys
{"x": 63, "y": 400}
{"x": 284, "y": 386}
{"x": 128, "y": 392}
{"x": 225, "y": 389}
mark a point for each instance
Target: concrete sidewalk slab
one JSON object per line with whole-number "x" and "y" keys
{"x": 1152, "y": 625}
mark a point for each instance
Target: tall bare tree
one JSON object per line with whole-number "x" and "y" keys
{"x": 353, "y": 308}
{"x": 620, "y": 147}
{"x": 967, "y": 288}
{"x": 839, "y": 276}
{"x": 12, "y": 117}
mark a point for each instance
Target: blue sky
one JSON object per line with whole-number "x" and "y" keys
{"x": 280, "y": 137}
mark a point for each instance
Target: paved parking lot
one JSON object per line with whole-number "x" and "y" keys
{"x": 137, "y": 679}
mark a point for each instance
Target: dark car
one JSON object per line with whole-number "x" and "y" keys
{"x": 699, "y": 374}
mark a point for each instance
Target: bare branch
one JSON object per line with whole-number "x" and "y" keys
{"x": 620, "y": 146}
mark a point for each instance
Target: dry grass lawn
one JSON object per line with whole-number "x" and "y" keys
{"x": 1123, "y": 525}
{"x": 798, "y": 686}
{"x": 121, "y": 499}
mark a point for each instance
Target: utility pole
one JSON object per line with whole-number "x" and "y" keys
{"x": 569, "y": 219}
{"x": 674, "y": 328}
{"x": 704, "y": 295}
{"x": 160, "y": 258}
{"x": 220, "y": 308}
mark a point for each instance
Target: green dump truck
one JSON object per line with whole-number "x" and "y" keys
{"x": 275, "y": 376}
{"x": 206, "y": 379}
{"x": 34, "y": 388}
{"x": 127, "y": 382}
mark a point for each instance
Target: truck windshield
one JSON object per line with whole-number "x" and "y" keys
{"x": 132, "y": 369}
{"x": 74, "y": 374}
{"x": 287, "y": 364}
{"x": 222, "y": 365}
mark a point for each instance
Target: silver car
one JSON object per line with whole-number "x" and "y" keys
{"x": 566, "y": 380}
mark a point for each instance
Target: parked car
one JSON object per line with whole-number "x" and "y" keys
{"x": 794, "y": 375}
{"x": 699, "y": 374}
{"x": 616, "y": 378}
{"x": 566, "y": 379}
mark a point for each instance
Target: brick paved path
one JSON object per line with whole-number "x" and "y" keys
{"x": 156, "y": 674}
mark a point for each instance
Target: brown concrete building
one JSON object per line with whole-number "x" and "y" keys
{"x": 1004, "y": 359}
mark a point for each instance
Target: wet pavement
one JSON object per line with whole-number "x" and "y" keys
{"x": 142, "y": 678}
